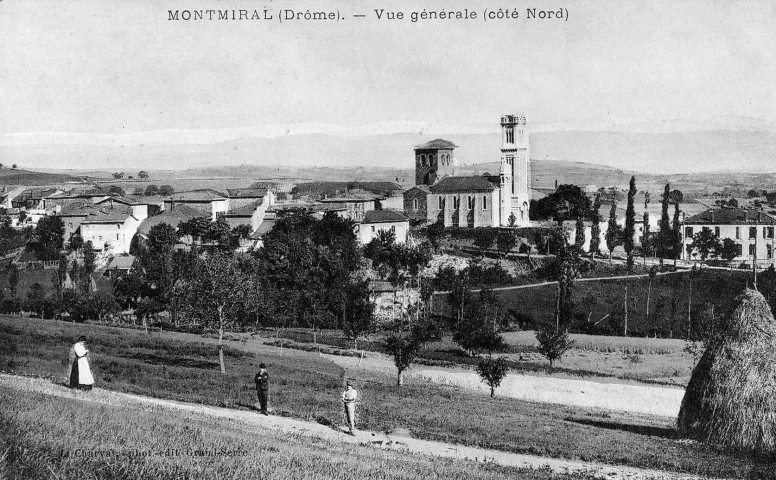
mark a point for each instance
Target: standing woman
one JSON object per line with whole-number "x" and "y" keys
{"x": 80, "y": 373}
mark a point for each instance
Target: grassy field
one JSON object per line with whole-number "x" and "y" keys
{"x": 44, "y": 437}
{"x": 307, "y": 386}
{"x": 599, "y": 304}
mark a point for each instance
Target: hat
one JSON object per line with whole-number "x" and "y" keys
{"x": 349, "y": 383}
{"x": 261, "y": 365}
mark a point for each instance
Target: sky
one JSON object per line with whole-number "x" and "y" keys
{"x": 107, "y": 69}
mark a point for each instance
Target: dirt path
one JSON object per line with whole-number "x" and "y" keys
{"x": 248, "y": 419}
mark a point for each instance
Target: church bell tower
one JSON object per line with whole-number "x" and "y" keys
{"x": 515, "y": 163}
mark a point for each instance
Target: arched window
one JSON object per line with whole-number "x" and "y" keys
{"x": 456, "y": 202}
{"x": 441, "y": 202}
{"x": 415, "y": 204}
{"x": 423, "y": 160}
{"x": 484, "y": 202}
{"x": 470, "y": 202}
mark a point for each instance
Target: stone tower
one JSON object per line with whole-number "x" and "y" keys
{"x": 434, "y": 160}
{"x": 515, "y": 161}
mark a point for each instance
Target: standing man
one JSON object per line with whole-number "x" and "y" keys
{"x": 262, "y": 387}
{"x": 349, "y": 397}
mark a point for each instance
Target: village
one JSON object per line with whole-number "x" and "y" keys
{"x": 388, "y": 242}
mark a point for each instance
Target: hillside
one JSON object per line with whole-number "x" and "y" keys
{"x": 27, "y": 177}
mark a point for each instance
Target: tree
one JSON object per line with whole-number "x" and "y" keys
{"x": 595, "y": 229}
{"x": 705, "y": 244}
{"x": 434, "y": 233}
{"x": 613, "y": 230}
{"x": 579, "y": 238}
{"x": 137, "y": 191}
{"x": 214, "y": 289}
{"x": 13, "y": 279}
{"x": 142, "y": 174}
{"x": 728, "y": 250}
{"x": 630, "y": 224}
{"x": 665, "y": 235}
{"x": 116, "y": 190}
{"x": 358, "y": 315}
{"x": 553, "y": 344}
{"x": 14, "y": 166}
{"x": 76, "y": 242}
{"x": 151, "y": 190}
{"x": 512, "y": 220}
{"x": 484, "y": 238}
{"x": 652, "y": 275}
{"x": 36, "y": 299}
{"x": 166, "y": 190}
{"x": 676, "y": 227}
{"x": 505, "y": 242}
{"x": 567, "y": 202}
{"x": 478, "y": 330}
{"x": 401, "y": 343}
{"x": 118, "y": 175}
{"x": 492, "y": 371}
{"x": 89, "y": 258}
{"x": 48, "y": 237}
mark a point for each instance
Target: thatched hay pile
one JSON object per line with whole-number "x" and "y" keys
{"x": 731, "y": 398}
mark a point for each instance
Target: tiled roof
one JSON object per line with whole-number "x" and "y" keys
{"x": 246, "y": 192}
{"x": 122, "y": 262}
{"x": 353, "y": 196}
{"x": 244, "y": 211}
{"x": 462, "y": 184}
{"x": 436, "y": 144}
{"x": 203, "y": 195}
{"x": 383, "y": 216}
{"x": 173, "y": 217}
{"x": 731, "y": 216}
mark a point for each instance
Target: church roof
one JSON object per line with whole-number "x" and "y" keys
{"x": 436, "y": 145}
{"x": 462, "y": 184}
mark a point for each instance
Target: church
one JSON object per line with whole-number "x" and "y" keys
{"x": 472, "y": 201}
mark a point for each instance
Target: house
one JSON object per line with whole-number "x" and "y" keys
{"x": 61, "y": 199}
{"x": 257, "y": 237}
{"x": 113, "y": 228}
{"x": 240, "y": 197}
{"x": 251, "y": 214}
{"x": 207, "y": 201}
{"x": 34, "y": 198}
{"x": 118, "y": 265}
{"x": 752, "y": 231}
{"x": 356, "y": 202}
{"x": 472, "y": 201}
{"x": 376, "y": 221}
{"x": 173, "y": 218}
{"x": 7, "y": 195}
{"x": 416, "y": 202}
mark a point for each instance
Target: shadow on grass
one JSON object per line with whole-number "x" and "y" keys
{"x": 652, "y": 431}
{"x": 153, "y": 359}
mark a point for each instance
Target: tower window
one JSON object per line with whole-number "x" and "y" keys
{"x": 423, "y": 160}
{"x": 484, "y": 202}
{"x": 441, "y": 202}
{"x": 415, "y": 203}
{"x": 456, "y": 202}
{"x": 510, "y": 134}
{"x": 470, "y": 202}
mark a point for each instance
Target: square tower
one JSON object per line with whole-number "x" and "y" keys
{"x": 434, "y": 160}
{"x": 515, "y": 163}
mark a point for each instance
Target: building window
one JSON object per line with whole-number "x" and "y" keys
{"x": 430, "y": 159}
{"x": 423, "y": 160}
{"x": 768, "y": 252}
{"x": 751, "y": 250}
{"x": 393, "y": 228}
{"x": 470, "y": 202}
{"x": 373, "y": 228}
{"x": 738, "y": 233}
{"x": 687, "y": 232}
{"x": 456, "y": 202}
{"x": 768, "y": 232}
{"x": 415, "y": 203}
{"x": 716, "y": 232}
{"x": 440, "y": 202}
{"x": 484, "y": 202}
{"x": 510, "y": 160}
{"x": 739, "y": 250}
{"x": 99, "y": 238}
{"x": 752, "y": 232}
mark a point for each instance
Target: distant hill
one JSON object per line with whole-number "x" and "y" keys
{"x": 9, "y": 176}
{"x": 653, "y": 153}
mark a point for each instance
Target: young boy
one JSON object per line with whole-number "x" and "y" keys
{"x": 349, "y": 397}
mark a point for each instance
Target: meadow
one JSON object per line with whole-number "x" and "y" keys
{"x": 43, "y": 437}
{"x": 307, "y": 386}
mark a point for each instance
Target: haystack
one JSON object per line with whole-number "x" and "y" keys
{"x": 731, "y": 398}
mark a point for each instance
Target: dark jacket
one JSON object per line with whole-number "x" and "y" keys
{"x": 262, "y": 381}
